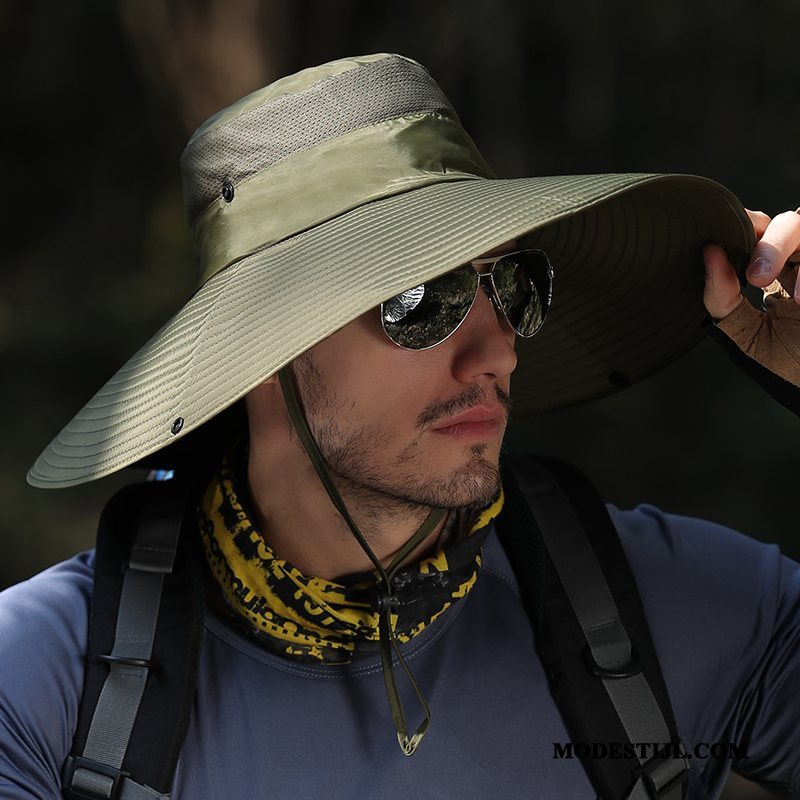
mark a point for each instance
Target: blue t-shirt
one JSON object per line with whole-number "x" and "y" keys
{"x": 724, "y": 612}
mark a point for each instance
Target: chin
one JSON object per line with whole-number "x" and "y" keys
{"x": 436, "y": 478}
{"x": 475, "y": 482}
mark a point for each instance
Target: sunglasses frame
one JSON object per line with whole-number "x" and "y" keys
{"x": 492, "y": 294}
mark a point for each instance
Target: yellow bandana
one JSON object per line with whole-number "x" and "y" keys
{"x": 317, "y": 620}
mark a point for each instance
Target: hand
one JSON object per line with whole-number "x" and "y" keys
{"x": 771, "y": 337}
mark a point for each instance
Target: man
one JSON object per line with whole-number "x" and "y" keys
{"x": 369, "y": 289}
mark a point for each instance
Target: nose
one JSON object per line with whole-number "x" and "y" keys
{"x": 484, "y": 343}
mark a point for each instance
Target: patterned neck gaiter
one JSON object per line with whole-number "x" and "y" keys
{"x": 316, "y": 620}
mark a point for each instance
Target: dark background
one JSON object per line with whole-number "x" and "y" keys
{"x": 99, "y": 98}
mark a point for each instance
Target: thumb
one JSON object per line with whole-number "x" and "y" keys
{"x": 722, "y": 293}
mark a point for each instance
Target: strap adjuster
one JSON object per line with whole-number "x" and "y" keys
{"x": 126, "y": 661}
{"x": 381, "y": 599}
{"x": 627, "y": 670}
{"x": 86, "y": 779}
{"x": 662, "y": 774}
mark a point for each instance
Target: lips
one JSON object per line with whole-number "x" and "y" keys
{"x": 478, "y": 421}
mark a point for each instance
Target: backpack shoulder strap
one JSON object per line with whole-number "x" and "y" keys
{"x": 144, "y": 639}
{"x": 591, "y": 631}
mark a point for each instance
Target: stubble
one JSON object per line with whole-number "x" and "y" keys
{"x": 362, "y": 468}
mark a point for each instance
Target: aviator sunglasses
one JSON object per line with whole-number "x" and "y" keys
{"x": 519, "y": 284}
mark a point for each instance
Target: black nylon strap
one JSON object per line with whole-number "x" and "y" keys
{"x": 119, "y": 701}
{"x": 607, "y": 646}
{"x": 143, "y": 615}
{"x": 152, "y": 555}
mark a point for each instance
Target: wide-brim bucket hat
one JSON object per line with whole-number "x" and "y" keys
{"x": 316, "y": 198}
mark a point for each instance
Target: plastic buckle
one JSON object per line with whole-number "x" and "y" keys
{"x": 662, "y": 774}
{"x": 628, "y": 670}
{"x": 125, "y": 661}
{"x": 75, "y": 763}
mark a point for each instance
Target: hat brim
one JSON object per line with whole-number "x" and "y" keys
{"x": 626, "y": 251}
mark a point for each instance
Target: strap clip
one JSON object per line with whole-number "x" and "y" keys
{"x": 662, "y": 774}
{"x": 125, "y": 661}
{"x": 86, "y": 779}
{"x": 627, "y": 670}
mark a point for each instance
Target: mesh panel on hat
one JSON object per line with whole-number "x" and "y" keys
{"x": 263, "y": 136}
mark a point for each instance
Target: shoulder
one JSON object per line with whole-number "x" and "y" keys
{"x": 49, "y": 609}
{"x": 724, "y": 613}
{"x": 708, "y": 580}
{"x": 701, "y": 559}
{"x": 43, "y": 638}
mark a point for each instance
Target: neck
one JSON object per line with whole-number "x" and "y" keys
{"x": 302, "y": 526}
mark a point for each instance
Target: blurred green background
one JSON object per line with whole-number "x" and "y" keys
{"x": 99, "y": 98}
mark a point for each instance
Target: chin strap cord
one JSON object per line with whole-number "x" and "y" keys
{"x": 385, "y": 601}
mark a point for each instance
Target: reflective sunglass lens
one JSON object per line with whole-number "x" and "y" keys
{"x": 524, "y": 285}
{"x": 427, "y": 314}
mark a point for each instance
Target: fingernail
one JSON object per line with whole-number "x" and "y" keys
{"x": 759, "y": 267}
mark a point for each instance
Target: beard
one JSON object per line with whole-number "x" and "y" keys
{"x": 381, "y": 484}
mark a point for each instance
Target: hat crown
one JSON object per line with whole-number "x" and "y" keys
{"x": 315, "y": 145}
{"x": 296, "y": 113}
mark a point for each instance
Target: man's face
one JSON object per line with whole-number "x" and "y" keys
{"x": 423, "y": 427}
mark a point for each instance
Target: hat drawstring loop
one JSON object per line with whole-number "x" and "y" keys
{"x": 387, "y": 638}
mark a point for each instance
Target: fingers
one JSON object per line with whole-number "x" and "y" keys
{"x": 779, "y": 241}
{"x": 772, "y": 265}
{"x": 760, "y": 221}
{"x": 721, "y": 294}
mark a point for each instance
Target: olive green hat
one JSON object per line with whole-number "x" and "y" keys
{"x": 316, "y": 198}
